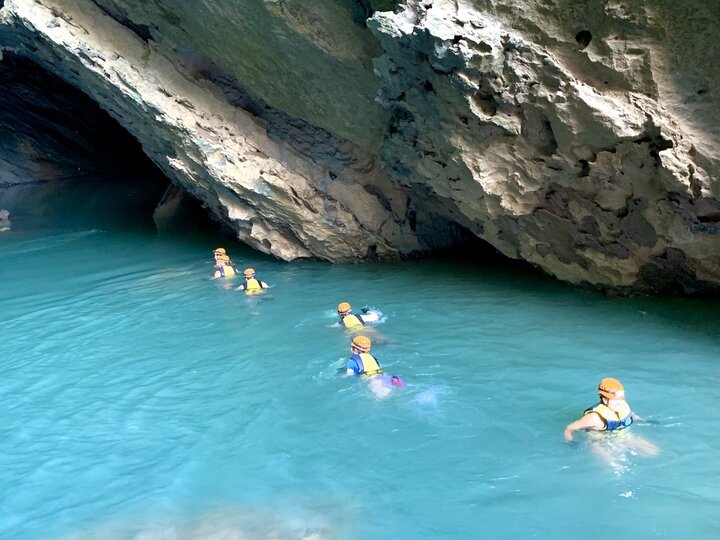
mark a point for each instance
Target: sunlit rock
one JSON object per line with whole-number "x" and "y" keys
{"x": 583, "y": 139}
{"x": 328, "y": 199}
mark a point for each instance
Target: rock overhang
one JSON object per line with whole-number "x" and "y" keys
{"x": 560, "y": 137}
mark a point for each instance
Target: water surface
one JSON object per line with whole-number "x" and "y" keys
{"x": 143, "y": 400}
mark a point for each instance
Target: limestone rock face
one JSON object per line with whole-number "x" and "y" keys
{"x": 312, "y": 195}
{"x": 310, "y": 59}
{"x": 583, "y": 137}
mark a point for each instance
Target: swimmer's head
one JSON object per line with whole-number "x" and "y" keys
{"x": 219, "y": 251}
{"x": 344, "y": 308}
{"x": 611, "y": 389}
{"x": 361, "y": 343}
{"x": 396, "y": 381}
{"x": 222, "y": 259}
{"x": 249, "y": 273}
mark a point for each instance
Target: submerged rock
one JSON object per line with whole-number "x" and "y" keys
{"x": 581, "y": 138}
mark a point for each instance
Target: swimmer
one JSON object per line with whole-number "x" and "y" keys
{"x": 4, "y": 220}
{"x": 365, "y": 365}
{"x": 252, "y": 285}
{"x": 612, "y": 414}
{"x": 225, "y": 269}
{"x": 220, "y": 252}
{"x": 355, "y": 322}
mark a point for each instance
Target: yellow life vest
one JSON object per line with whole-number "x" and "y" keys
{"x": 370, "y": 366}
{"x": 227, "y": 271}
{"x": 252, "y": 285}
{"x": 351, "y": 321}
{"x": 613, "y": 420}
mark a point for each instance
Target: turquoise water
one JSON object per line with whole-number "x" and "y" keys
{"x": 142, "y": 400}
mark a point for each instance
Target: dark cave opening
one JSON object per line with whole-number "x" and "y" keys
{"x": 583, "y": 37}
{"x": 461, "y": 247}
{"x": 475, "y": 252}
{"x": 66, "y": 163}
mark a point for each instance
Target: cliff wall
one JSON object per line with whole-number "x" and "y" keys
{"x": 581, "y": 137}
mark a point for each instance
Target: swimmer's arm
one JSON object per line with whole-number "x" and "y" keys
{"x": 637, "y": 418}
{"x": 589, "y": 421}
{"x": 370, "y": 317}
{"x": 264, "y": 285}
{"x": 351, "y": 368}
{"x": 240, "y": 288}
{"x": 216, "y": 275}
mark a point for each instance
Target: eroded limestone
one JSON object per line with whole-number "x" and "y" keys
{"x": 580, "y": 137}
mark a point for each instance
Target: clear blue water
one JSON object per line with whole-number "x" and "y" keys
{"x": 142, "y": 400}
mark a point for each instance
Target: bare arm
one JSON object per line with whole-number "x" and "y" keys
{"x": 588, "y": 421}
{"x": 370, "y": 317}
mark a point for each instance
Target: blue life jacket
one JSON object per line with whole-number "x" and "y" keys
{"x": 613, "y": 420}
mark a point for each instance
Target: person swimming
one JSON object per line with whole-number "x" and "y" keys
{"x": 225, "y": 269}
{"x": 222, "y": 252}
{"x": 361, "y": 362}
{"x": 252, "y": 285}
{"x": 4, "y": 220}
{"x": 612, "y": 415}
{"x": 349, "y": 321}
{"x": 365, "y": 365}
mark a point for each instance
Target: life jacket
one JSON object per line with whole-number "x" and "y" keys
{"x": 368, "y": 365}
{"x": 352, "y": 321}
{"x": 613, "y": 420}
{"x": 227, "y": 271}
{"x": 253, "y": 285}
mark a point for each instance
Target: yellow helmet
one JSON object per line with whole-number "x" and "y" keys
{"x": 362, "y": 343}
{"x": 343, "y": 307}
{"x": 223, "y": 258}
{"x": 611, "y": 389}
{"x": 249, "y": 272}
{"x": 220, "y": 251}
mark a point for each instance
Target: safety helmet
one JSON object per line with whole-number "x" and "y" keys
{"x": 611, "y": 388}
{"x": 343, "y": 307}
{"x": 220, "y": 251}
{"x": 249, "y": 272}
{"x": 362, "y": 343}
{"x": 223, "y": 258}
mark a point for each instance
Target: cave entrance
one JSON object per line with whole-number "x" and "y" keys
{"x": 66, "y": 163}
{"x": 459, "y": 252}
